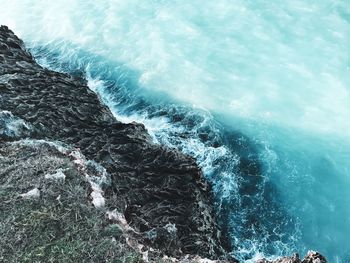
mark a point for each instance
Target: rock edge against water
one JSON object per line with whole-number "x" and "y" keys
{"x": 160, "y": 191}
{"x": 53, "y": 127}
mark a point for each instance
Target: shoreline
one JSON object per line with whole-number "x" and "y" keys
{"x": 160, "y": 191}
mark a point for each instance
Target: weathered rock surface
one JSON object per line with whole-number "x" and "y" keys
{"x": 155, "y": 186}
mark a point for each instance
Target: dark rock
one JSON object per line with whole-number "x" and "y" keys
{"x": 293, "y": 259}
{"x": 314, "y": 257}
{"x": 157, "y": 237}
{"x": 155, "y": 186}
{"x": 311, "y": 257}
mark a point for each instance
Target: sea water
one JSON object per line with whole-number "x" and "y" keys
{"x": 258, "y": 91}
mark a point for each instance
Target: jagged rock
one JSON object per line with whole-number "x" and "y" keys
{"x": 314, "y": 257}
{"x": 311, "y": 257}
{"x": 155, "y": 186}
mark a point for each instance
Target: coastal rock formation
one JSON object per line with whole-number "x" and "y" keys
{"x": 311, "y": 257}
{"x": 154, "y": 186}
{"x": 55, "y": 131}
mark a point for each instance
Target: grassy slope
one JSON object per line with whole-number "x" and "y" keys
{"x": 60, "y": 226}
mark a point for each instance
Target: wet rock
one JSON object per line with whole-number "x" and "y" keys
{"x": 314, "y": 257}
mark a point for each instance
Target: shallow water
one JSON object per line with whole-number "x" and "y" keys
{"x": 257, "y": 91}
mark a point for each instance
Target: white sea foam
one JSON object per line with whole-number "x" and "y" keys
{"x": 278, "y": 72}
{"x": 286, "y": 63}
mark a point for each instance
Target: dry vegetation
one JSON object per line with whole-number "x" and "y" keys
{"x": 59, "y": 226}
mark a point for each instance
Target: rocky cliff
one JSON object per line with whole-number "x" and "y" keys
{"x": 154, "y": 186}
{"x": 53, "y": 130}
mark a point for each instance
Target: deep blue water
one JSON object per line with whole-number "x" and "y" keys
{"x": 257, "y": 91}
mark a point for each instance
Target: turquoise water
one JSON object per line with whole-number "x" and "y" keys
{"x": 247, "y": 87}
